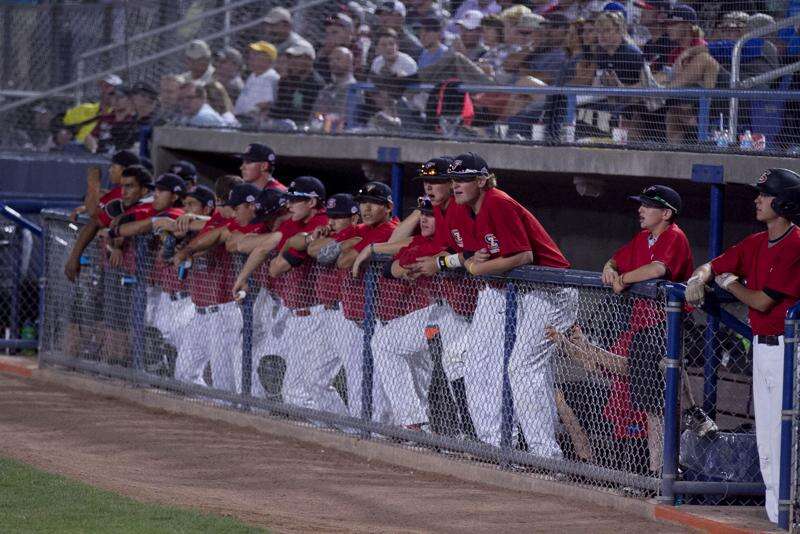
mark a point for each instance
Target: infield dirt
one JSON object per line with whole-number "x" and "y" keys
{"x": 285, "y": 485}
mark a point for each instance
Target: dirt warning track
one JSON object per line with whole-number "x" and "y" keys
{"x": 285, "y": 485}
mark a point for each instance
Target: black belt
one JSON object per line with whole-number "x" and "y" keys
{"x": 206, "y": 310}
{"x": 178, "y": 295}
{"x": 772, "y": 341}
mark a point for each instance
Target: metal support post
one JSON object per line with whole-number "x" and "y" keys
{"x": 370, "y": 282}
{"x": 391, "y": 154}
{"x": 675, "y": 300}
{"x": 788, "y": 408}
{"x": 139, "y": 302}
{"x": 507, "y": 425}
{"x": 247, "y": 333}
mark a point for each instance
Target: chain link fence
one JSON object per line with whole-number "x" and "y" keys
{"x": 364, "y": 68}
{"x": 546, "y": 372}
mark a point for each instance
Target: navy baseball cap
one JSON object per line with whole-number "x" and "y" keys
{"x": 125, "y": 158}
{"x": 147, "y": 164}
{"x": 660, "y": 196}
{"x": 185, "y": 170}
{"x": 468, "y": 167}
{"x": 242, "y": 193}
{"x": 615, "y": 6}
{"x": 204, "y": 195}
{"x": 682, "y": 13}
{"x": 425, "y": 205}
{"x": 259, "y": 152}
{"x": 172, "y": 183}
{"x": 376, "y": 192}
{"x": 144, "y": 88}
{"x": 269, "y": 201}
{"x": 341, "y": 205}
{"x": 434, "y": 170}
{"x": 305, "y": 187}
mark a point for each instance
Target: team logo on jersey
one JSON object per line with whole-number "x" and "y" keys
{"x": 492, "y": 243}
{"x": 457, "y": 238}
{"x": 763, "y": 177}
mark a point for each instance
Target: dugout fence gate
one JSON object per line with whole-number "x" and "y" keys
{"x": 544, "y": 371}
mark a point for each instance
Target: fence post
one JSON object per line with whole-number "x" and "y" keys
{"x": 370, "y": 281}
{"x": 702, "y": 118}
{"x": 247, "y": 332}
{"x": 669, "y": 471}
{"x": 139, "y": 301}
{"x": 16, "y": 282}
{"x": 787, "y": 415}
{"x": 510, "y": 331}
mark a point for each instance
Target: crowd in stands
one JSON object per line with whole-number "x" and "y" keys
{"x": 287, "y": 81}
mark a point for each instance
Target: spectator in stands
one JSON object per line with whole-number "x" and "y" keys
{"x": 198, "y": 61}
{"x": 196, "y": 110}
{"x": 730, "y": 27}
{"x": 331, "y": 102}
{"x": 484, "y": 7}
{"x": 419, "y": 10}
{"x": 220, "y": 102}
{"x": 389, "y": 101}
{"x": 298, "y": 89}
{"x": 169, "y": 95}
{"x": 339, "y": 32}
{"x": 692, "y": 66}
{"x": 84, "y": 117}
{"x": 493, "y": 37}
{"x": 118, "y": 132}
{"x": 468, "y": 36}
{"x": 146, "y": 104}
{"x": 523, "y": 37}
{"x": 228, "y": 64}
{"x": 390, "y": 60}
{"x": 258, "y": 93}
{"x": 279, "y": 30}
{"x": 578, "y": 69}
{"x": 430, "y": 32}
{"x": 616, "y": 56}
{"x": 392, "y": 15}
{"x": 659, "y": 46}
{"x": 548, "y": 55}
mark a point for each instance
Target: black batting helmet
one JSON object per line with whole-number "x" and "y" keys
{"x": 784, "y": 185}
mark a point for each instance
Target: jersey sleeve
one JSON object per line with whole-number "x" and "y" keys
{"x": 673, "y": 252}
{"x": 784, "y": 276}
{"x": 730, "y": 261}
{"x": 624, "y": 255}
{"x": 509, "y": 230}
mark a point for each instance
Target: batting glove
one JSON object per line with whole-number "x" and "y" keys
{"x": 725, "y": 279}
{"x": 695, "y": 291}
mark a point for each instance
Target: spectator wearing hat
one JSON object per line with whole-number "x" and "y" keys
{"x": 468, "y": 35}
{"x": 339, "y": 32}
{"x": 392, "y": 15}
{"x": 658, "y": 47}
{"x": 524, "y": 34}
{"x": 390, "y": 60}
{"x": 198, "y": 61}
{"x": 278, "y": 29}
{"x": 228, "y": 64}
{"x": 169, "y": 96}
{"x": 258, "y": 93}
{"x": 548, "y": 55}
{"x": 493, "y": 38}
{"x": 430, "y": 33}
{"x": 299, "y": 87}
{"x": 145, "y": 103}
{"x": 484, "y": 7}
{"x": 117, "y": 131}
{"x": 85, "y": 117}
{"x": 419, "y": 10}
{"x": 196, "y": 110}
{"x": 332, "y": 100}
{"x": 187, "y": 172}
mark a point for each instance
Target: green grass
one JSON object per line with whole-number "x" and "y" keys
{"x": 32, "y": 501}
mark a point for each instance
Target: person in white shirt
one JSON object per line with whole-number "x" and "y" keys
{"x": 279, "y": 29}
{"x": 196, "y": 110}
{"x": 198, "y": 61}
{"x": 260, "y": 88}
{"x": 390, "y": 60}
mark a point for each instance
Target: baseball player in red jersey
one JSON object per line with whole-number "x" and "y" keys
{"x": 659, "y": 250}
{"x": 258, "y": 164}
{"x": 496, "y": 234}
{"x": 210, "y": 278}
{"x": 763, "y": 272}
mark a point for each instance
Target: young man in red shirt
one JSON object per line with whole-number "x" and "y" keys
{"x": 494, "y": 234}
{"x": 763, "y": 272}
{"x": 258, "y": 164}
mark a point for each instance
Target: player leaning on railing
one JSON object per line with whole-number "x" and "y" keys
{"x": 763, "y": 272}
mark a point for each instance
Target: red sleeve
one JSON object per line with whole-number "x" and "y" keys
{"x": 141, "y": 212}
{"x": 381, "y": 234}
{"x": 623, "y": 257}
{"x": 784, "y": 275}
{"x": 672, "y": 249}
{"x": 508, "y": 228}
{"x": 347, "y": 233}
{"x": 730, "y": 261}
{"x": 418, "y": 248}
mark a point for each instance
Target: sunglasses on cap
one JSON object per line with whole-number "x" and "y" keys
{"x": 424, "y": 204}
{"x": 467, "y": 178}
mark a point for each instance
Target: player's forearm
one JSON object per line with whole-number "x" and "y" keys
{"x": 278, "y": 266}
{"x": 704, "y": 273}
{"x": 254, "y": 261}
{"x": 500, "y": 265}
{"x": 85, "y": 236}
{"x": 135, "y": 228}
{"x": 390, "y": 247}
{"x": 203, "y": 242}
{"x": 756, "y": 299}
{"x": 298, "y": 241}
{"x": 317, "y": 245}
{"x": 650, "y": 271}
{"x": 346, "y": 259}
{"x": 406, "y": 228}
{"x": 398, "y": 271}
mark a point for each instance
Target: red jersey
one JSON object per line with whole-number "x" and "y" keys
{"x": 275, "y": 184}
{"x": 353, "y": 288}
{"x": 109, "y": 206}
{"x": 210, "y": 278}
{"x": 398, "y": 297}
{"x": 504, "y": 228}
{"x": 249, "y": 228}
{"x": 328, "y": 279}
{"x": 296, "y": 286}
{"x": 670, "y": 248}
{"x": 773, "y": 269}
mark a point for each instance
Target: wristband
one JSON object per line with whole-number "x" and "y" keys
{"x": 112, "y": 233}
{"x": 622, "y": 279}
{"x": 471, "y": 268}
{"x": 452, "y": 261}
{"x": 440, "y": 263}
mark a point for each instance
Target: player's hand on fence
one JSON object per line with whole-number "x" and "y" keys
{"x": 179, "y": 257}
{"x": 695, "y": 291}
{"x": 115, "y": 258}
{"x": 240, "y": 289}
{"x": 363, "y": 256}
{"x": 425, "y": 266}
{"x": 74, "y": 214}
{"x": 481, "y": 256}
{"x": 724, "y": 280}
{"x": 72, "y": 268}
{"x": 618, "y": 285}
{"x": 321, "y": 231}
{"x": 183, "y": 223}
{"x": 165, "y": 224}
{"x": 609, "y": 275}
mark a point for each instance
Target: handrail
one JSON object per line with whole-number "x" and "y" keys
{"x": 736, "y": 59}
{"x": 15, "y": 217}
{"x": 771, "y": 75}
{"x": 141, "y": 61}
